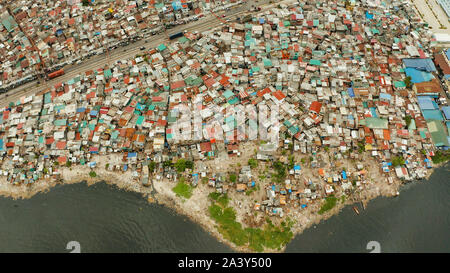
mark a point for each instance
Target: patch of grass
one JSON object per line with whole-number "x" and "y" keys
{"x": 92, "y": 174}
{"x": 330, "y": 202}
{"x": 182, "y": 189}
{"x": 270, "y": 236}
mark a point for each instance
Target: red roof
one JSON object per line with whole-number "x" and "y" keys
{"x": 315, "y": 107}
{"x": 279, "y": 95}
{"x": 205, "y": 147}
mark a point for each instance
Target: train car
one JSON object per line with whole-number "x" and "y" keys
{"x": 55, "y": 74}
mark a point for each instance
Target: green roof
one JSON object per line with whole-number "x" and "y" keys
{"x": 315, "y": 62}
{"x": 162, "y": 47}
{"x": 375, "y": 123}
{"x": 438, "y": 133}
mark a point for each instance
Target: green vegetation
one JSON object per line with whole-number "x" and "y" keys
{"x": 408, "y": 82}
{"x": 151, "y": 166}
{"x": 182, "y": 189}
{"x": 270, "y": 236}
{"x": 168, "y": 164}
{"x": 222, "y": 199}
{"x": 92, "y": 174}
{"x": 232, "y": 177}
{"x": 68, "y": 164}
{"x": 251, "y": 190}
{"x": 291, "y": 162}
{"x": 440, "y": 157}
{"x": 280, "y": 171}
{"x": 204, "y": 180}
{"x": 330, "y": 202}
{"x": 361, "y": 147}
{"x": 397, "y": 161}
{"x": 85, "y": 3}
{"x": 181, "y": 165}
{"x": 408, "y": 120}
{"x": 253, "y": 163}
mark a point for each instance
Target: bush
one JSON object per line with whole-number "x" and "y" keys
{"x": 151, "y": 166}
{"x": 270, "y": 236}
{"x": 92, "y": 174}
{"x": 440, "y": 157}
{"x": 253, "y": 163}
{"x": 233, "y": 177}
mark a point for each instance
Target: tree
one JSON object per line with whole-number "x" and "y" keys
{"x": 189, "y": 164}
{"x": 86, "y": 3}
{"x": 408, "y": 120}
{"x": 398, "y": 161}
{"x": 151, "y": 166}
{"x": 180, "y": 165}
{"x": 408, "y": 82}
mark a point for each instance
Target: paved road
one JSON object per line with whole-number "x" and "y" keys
{"x": 131, "y": 50}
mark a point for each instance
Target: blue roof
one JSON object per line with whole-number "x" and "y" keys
{"x": 446, "y": 111}
{"x": 385, "y": 96}
{"x": 447, "y": 53}
{"x": 344, "y": 175}
{"x": 432, "y": 114}
{"x": 426, "y": 103}
{"x": 297, "y": 167}
{"x": 418, "y": 76}
{"x": 350, "y": 92}
{"x": 369, "y": 15}
{"x": 420, "y": 64}
{"x": 132, "y": 155}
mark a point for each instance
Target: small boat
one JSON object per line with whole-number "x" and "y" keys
{"x": 356, "y": 210}
{"x": 363, "y": 205}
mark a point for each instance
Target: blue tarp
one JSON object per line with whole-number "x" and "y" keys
{"x": 297, "y": 167}
{"x": 432, "y": 114}
{"x": 446, "y": 111}
{"x": 344, "y": 175}
{"x": 369, "y": 15}
{"x": 420, "y": 64}
{"x": 426, "y": 103}
{"x": 385, "y": 96}
{"x": 350, "y": 92}
{"x": 418, "y": 76}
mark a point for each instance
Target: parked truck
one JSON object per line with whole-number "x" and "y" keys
{"x": 55, "y": 74}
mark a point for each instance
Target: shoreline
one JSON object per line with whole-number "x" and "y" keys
{"x": 194, "y": 208}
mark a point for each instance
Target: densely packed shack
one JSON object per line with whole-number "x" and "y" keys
{"x": 351, "y": 79}
{"x": 43, "y": 36}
